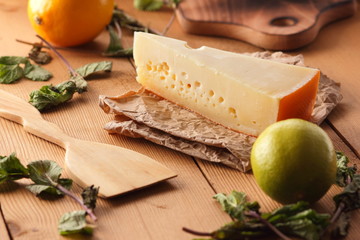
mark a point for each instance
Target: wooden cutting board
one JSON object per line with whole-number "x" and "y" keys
{"x": 270, "y": 24}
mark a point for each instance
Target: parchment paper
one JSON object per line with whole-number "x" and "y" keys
{"x": 144, "y": 115}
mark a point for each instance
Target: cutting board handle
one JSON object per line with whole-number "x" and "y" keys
{"x": 19, "y": 111}
{"x": 273, "y": 25}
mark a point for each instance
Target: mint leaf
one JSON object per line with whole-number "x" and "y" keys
{"x": 115, "y": 48}
{"x": 341, "y": 226}
{"x": 10, "y": 73}
{"x": 239, "y": 230}
{"x": 126, "y": 52}
{"x": 115, "y": 44}
{"x": 11, "y": 168}
{"x": 38, "y": 56}
{"x": 89, "y": 196}
{"x": 344, "y": 174}
{"x": 148, "y": 5}
{"x": 286, "y": 211}
{"x": 66, "y": 183}
{"x": 49, "y": 96}
{"x": 36, "y": 73}
{"x": 13, "y": 60}
{"x": 127, "y": 21}
{"x": 95, "y": 67}
{"x": 153, "y": 6}
{"x": 39, "y": 189}
{"x": 235, "y": 204}
{"x": 122, "y": 20}
{"x": 44, "y": 172}
{"x": 74, "y": 223}
{"x": 10, "y": 70}
{"x": 80, "y": 83}
{"x": 350, "y": 197}
{"x": 3, "y": 175}
{"x": 46, "y": 176}
{"x": 299, "y": 220}
{"x": 174, "y": 3}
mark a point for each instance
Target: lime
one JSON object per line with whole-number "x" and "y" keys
{"x": 294, "y": 160}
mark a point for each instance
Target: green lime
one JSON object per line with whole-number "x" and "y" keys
{"x": 294, "y": 160}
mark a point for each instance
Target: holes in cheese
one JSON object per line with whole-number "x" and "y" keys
{"x": 243, "y": 93}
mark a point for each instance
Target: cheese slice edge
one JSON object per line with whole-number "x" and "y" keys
{"x": 243, "y": 93}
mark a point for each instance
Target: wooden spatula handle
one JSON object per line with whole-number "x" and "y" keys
{"x": 18, "y": 110}
{"x": 114, "y": 169}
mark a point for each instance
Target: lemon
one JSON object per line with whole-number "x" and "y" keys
{"x": 68, "y": 23}
{"x": 294, "y": 160}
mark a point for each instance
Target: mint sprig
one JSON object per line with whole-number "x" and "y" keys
{"x": 46, "y": 177}
{"x": 50, "y": 96}
{"x": 293, "y": 220}
{"x": 12, "y": 68}
{"x": 122, "y": 20}
{"x": 11, "y": 168}
{"x": 344, "y": 174}
{"x": 115, "y": 48}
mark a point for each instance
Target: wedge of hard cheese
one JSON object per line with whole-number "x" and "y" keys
{"x": 242, "y": 93}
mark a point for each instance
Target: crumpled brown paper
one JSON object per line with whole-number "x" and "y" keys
{"x": 144, "y": 115}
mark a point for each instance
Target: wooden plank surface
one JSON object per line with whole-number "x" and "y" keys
{"x": 4, "y": 234}
{"x": 336, "y": 53}
{"x": 158, "y": 212}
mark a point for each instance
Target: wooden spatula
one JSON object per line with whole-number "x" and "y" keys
{"x": 114, "y": 169}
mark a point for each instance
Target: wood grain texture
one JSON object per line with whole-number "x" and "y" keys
{"x": 4, "y": 234}
{"x": 336, "y": 53}
{"x": 275, "y": 25}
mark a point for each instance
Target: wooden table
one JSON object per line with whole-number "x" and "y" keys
{"x": 160, "y": 211}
